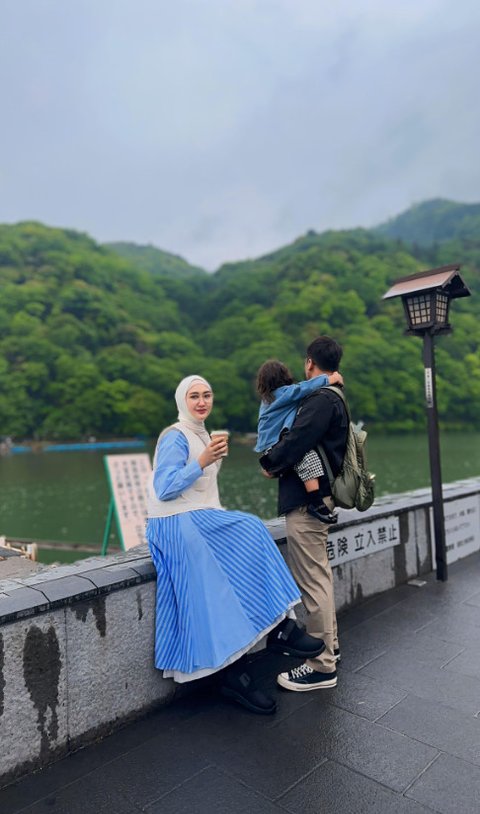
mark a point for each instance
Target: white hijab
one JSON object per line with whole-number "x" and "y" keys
{"x": 184, "y": 416}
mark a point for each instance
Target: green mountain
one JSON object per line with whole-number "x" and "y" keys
{"x": 154, "y": 260}
{"x": 434, "y": 222}
{"x": 92, "y": 344}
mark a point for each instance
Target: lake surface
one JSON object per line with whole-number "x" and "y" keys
{"x": 64, "y": 496}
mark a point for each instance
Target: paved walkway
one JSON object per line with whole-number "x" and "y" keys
{"x": 400, "y": 734}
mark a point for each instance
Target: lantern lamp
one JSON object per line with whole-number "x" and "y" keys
{"x": 426, "y": 300}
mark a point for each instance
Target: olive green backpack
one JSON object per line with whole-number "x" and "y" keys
{"x": 353, "y": 488}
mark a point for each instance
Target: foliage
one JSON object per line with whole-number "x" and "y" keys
{"x": 155, "y": 261}
{"x": 434, "y": 222}
{"x": 94, "y": 339}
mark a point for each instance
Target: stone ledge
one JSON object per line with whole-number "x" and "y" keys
{"x": 388, "y": 504}
{"x": 62, "y": 585}
{"x": 20, "y": 603}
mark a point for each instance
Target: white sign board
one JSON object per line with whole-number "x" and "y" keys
{"x": 128, "y": 476}
{"x": 462, "y": 527}
{"x": 367, "y": 538}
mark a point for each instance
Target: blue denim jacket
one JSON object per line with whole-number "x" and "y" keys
{"x": 274, "y": 417}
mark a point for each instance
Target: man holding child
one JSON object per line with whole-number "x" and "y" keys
{"x": 320, "y": 420}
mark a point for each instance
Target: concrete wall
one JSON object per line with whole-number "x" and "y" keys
{"x": 76, "y": 647}
{"x": 76, "y": 642}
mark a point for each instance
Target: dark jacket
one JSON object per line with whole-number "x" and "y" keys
{"x": 321, "y": 419}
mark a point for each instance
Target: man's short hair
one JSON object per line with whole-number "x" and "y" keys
{"x": 325, "y": 353}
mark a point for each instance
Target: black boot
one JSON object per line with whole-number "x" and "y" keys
{"x": 238, "y": 685}
{"x": 291, "y": 640}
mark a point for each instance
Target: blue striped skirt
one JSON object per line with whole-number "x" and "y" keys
{"x": 222, "y": 585}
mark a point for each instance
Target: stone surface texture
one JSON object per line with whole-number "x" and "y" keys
{"x": 33, "y": 691}
{"x": 76, "y": 657}
{"x": 389, "y": 739}
{"x": 118, "y": 678}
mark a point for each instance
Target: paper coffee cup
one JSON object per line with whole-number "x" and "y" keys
{"x": 220, "y": 434}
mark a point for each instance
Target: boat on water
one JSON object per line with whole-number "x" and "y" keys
{"x": 8, "y": 448}
{"x": 82, "y": 446}
{"x": 9, "y": 549}
{"x": 18, "y": 560}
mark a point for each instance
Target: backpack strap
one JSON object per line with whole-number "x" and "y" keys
{"x": 339, "y": 392}
{"x": 326, "y": 463}
{"x": 320, "y": 447}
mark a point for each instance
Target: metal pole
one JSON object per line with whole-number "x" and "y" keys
{"x": 434, "y": 452}
{"x": 108, "y": 526}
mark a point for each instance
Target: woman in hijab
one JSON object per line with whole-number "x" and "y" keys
{"x": 222, "y": 584}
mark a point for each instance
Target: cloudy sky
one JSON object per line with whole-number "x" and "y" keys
{"x": 221, "y": 129}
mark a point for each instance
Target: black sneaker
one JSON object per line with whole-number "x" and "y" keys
{"x": 322, "y": 513}
{"x": 291, "y": 640}
{"x": 239, "y": 687}
{"x": 337, "y": 654}
{"x": 304, "y": 679}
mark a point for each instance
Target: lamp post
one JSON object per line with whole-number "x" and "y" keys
{"x": 426, "y": 299}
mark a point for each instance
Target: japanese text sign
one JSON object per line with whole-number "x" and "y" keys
{"x": 128, "y": 476}
{"x": 462, "y": 527}
{"x": 365, "y": 538}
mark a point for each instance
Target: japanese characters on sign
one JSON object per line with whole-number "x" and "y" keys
{"x": 462, "y": 527}
{"x": 367, "y": 538}
{"x": 128, "y": 475}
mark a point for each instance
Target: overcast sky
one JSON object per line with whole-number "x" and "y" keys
{"x": 221, "y": 129}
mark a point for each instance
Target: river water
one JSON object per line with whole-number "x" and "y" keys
{"x": 64, "y": 496}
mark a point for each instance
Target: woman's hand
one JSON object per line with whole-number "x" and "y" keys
{"x": 335, "y": 378}
{"x": 216, "y": 449}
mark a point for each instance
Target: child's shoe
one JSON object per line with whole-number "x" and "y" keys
{"x": 322, "y": 513}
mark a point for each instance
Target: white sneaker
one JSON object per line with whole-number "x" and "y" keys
{"x": 304, "y": 679}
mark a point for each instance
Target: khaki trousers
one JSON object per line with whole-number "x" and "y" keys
{"x": 308, "y": 561}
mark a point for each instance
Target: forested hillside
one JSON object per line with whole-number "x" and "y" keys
{"x": 434, "y": 222}
{"x": 94, "y": 343}
{"x": 149, "y": 258}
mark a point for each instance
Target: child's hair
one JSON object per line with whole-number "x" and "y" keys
{"x": 272, "y": 374}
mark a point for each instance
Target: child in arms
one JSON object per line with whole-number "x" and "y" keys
{"x": 280, "y": 398}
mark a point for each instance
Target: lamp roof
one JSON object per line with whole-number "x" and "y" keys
{"x": 446, "y": 277}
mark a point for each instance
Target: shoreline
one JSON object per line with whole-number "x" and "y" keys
{"x": 8, "y": 447}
